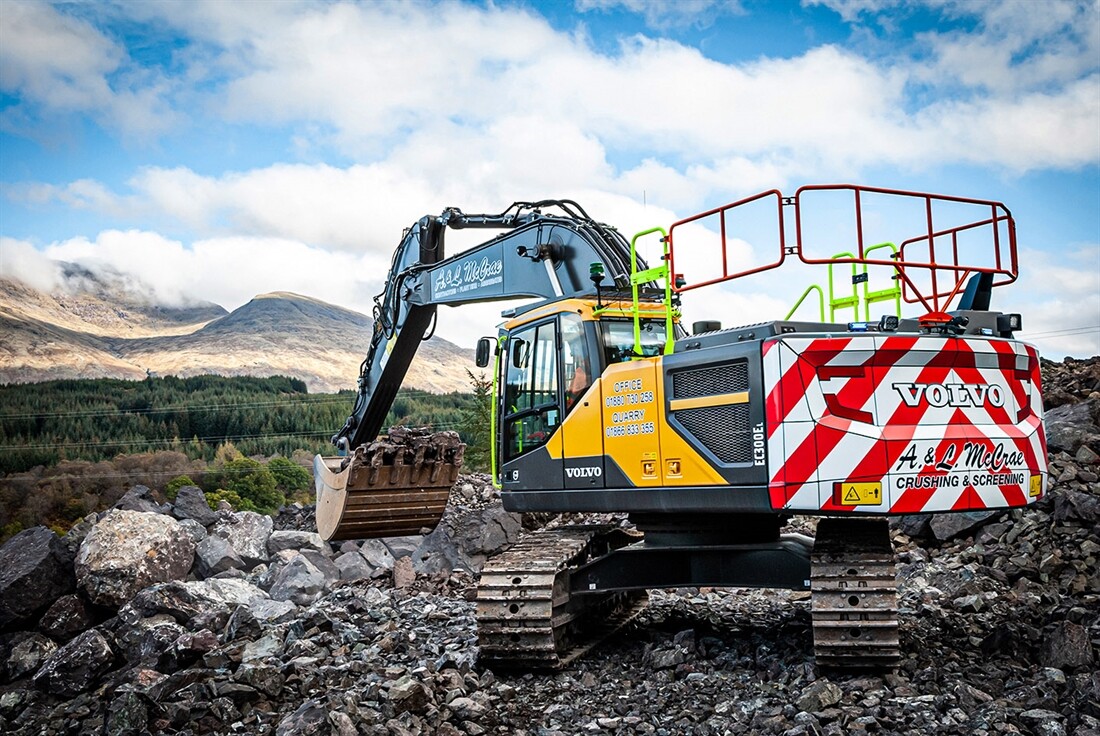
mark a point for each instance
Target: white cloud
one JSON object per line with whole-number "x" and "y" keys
{"x": 228, "y": 271}
{"x": 21, "y": 261}
{"x": 830, "y": 108}
{"x": 1059, "y": 300}
{"x": 62, "y": 64}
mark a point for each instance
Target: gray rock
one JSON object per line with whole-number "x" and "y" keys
{"x": 140, "y": 499}
{"x": 268, "y": 612}
{"x": 464, "y": 541}
{"x": 265, "y": 647}
{"x": 191, "y": 504}
{"x": 35, "y": 570}
{"x": 127, "y": 551}
{"x": 67, "y": 617}
{"x": 409, "y": 695}
{"x": 818, "y": 696}
{"x": 280, "y": 540}
{"x": 299, "y": 581}
{"x": 377, "y": 554}
{"x": 1071, "y": 505}
{"x": 310, "y": 719}
{"x": 228, "y": 592}
{"x": 1068, "y": 426}
{"x": 403, "y": 546}
{"x": 127, "y": 715}
{"x": 248, "y": 532}
{"x": 1044, "y": 722}
{"x": 215, "y": 554}
{"x": 28, "y": 655}
{"x": 1067, "y": 646}
{"x": 949, "y": 526}
{"x": 194, "y": 529}
{"x": 353, "y": 566}
{"x": 914, "y": 526}
{"x": 75, "y": 667}
{"x": 147, "y": 641}
{"x": 263, "y": 677}
{"x": 664, "y": 659}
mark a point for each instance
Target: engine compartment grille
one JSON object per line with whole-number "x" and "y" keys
{"x": 724, "y": 430}
{"x": 710, "y": 381}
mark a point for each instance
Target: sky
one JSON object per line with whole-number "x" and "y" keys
{"x": 214, "y": 150}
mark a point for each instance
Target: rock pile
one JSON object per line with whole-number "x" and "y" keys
{"x": 152, "y": 617}
{"x": 272, "y": 631}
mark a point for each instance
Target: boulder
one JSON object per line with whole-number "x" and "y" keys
{"x": 75, "y": 667}
{"x": 1066, "y": 646}
{"x": 36, "y": 569}
{"x": 299, "y": 581}
{"x": 404, "y": 574}
{"x": 409, "y": 695}
{"x": 248, "y": 532}
{"x": 353, "y": 566}
{"x": 267, "y": 612}
{"x": 140, "y": 498}
{"x": 128, "y": 551}
{"x": 309, "y": 719}
{"x": 464, "y": 540}
{"x": 127, "y": 715}
{"x": 1071, "y": 505}
{"x": 817, "y": 696}
{"x": 28, "y": 655}
{"x": 148, "y": 641}
{"x": 215, "y": 554}
{"x": 68, "y": 616}
{"x": 280, "y": 540}
{"x": 1068, "y": 426}
{"x": 193, "y": 528}
{"x": 377, "y": 554}
{"x": 949, "y": 526}
{"x": 191, "y": 504}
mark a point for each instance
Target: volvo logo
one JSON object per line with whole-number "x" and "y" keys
{"x": 589, "y": 472}
{"x": 950, "y": 394}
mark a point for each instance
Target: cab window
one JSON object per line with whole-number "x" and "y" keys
{"x": 576, "y": 364}
{"x": 618, "y": 339}
{"x": 531, "y": 389}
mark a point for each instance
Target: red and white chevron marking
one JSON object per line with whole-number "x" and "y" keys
{"x": 944, "y": 424}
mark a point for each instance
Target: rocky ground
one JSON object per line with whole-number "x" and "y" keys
{"x": 174, "y": 619}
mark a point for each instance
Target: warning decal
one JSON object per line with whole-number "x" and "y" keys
{"x": 857, "y": 494}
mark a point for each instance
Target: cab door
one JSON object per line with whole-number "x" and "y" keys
{"x": 530, "y": 443}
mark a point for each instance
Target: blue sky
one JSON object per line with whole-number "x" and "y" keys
{"x": 216, "y": 150}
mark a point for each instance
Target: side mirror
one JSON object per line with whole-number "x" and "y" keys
{"x": 484, "y": 350}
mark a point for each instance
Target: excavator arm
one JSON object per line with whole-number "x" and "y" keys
{"x": 538, "y": 255}
{"x": 382, "y": 488}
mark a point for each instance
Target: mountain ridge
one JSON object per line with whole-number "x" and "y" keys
{"x": 102, "y": 332}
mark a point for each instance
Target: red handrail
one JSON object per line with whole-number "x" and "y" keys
{"x": 936, "y": 299}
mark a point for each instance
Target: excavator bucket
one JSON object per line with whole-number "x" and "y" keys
{"x": 393, "y": 486}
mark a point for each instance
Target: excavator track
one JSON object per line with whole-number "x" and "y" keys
{"x": 526, "y": 616}
{"x": 854, "y": 595}
{"x": 396, "y": 485}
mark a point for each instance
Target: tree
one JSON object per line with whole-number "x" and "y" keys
{"x": 289, "y": 476}
{"x": 253, "y": 482}
{"x": 475, "y": 424}
{"x": 173, "y": 488}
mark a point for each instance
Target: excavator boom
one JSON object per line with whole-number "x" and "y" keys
{"x": 361, "y": 493}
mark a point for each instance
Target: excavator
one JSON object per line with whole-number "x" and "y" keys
{"x": 707, "y": 440}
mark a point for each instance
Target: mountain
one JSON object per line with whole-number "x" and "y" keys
{"x": 101, "y": 331}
